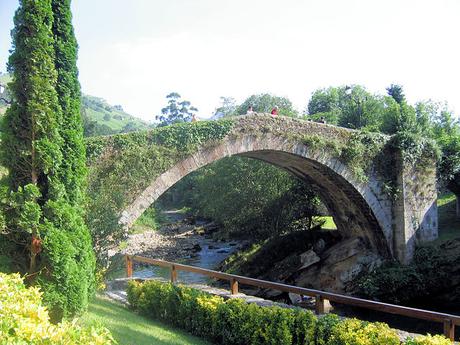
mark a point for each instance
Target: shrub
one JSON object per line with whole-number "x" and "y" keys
{"x": 236, "y": 322}
{"x": 356, "y": 332}
{"x": 428, "y": 340}
{"x": 427, "y": 275}
{"x": 24, "y": 319}
{"x": 325, "y": 326}
{"x": 228, "y": 322}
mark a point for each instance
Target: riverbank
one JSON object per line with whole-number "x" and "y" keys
{"x": 182, "y": 239}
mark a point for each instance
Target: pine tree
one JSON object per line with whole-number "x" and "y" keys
{"x": 43, "y": 150}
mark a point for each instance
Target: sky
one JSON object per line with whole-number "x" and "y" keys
{"x": 134, "y": 53}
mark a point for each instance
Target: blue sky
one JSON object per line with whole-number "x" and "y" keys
{"x": 135, "y": 54}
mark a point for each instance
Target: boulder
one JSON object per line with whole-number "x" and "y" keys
{"x": 340, "y": 264}
{"x": 308, "y": 258}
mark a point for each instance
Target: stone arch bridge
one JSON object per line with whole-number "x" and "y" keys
{"x": 355, "y": 189}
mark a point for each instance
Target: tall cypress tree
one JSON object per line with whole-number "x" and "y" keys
{"x": 39, "y": 145}
{"x": 68, "y": 88}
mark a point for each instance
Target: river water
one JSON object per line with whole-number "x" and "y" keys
{"x": 212, "y": 253}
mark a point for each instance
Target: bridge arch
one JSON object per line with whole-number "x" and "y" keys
{"x": 359, "y": 209}
{"x": 390, "y": 225}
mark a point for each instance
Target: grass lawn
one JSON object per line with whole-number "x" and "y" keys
{"x": 129, "y": 328}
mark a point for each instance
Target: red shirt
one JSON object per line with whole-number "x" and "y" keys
{"x": 274, "y": 111}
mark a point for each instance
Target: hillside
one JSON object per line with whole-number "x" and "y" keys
{"x": 4, "y": 79}
{"x": 99, "y": 117}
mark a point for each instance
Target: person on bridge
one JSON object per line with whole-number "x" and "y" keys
{"x": 250, "y": 110}
{"x": 274, "y": 111}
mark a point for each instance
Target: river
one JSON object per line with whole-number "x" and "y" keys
{"x": 211, "y": 253}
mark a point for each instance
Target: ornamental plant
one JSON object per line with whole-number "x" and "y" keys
{"x": 235, "y": 321}
{"x": 25, "y": 320}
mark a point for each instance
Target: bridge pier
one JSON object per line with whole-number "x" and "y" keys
{"x": 415, "y": 212}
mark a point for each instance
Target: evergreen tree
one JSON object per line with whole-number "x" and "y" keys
{"x": 69, "y": 95}
{"x": 43, "y": 152}
{"x": 396, "y": 91}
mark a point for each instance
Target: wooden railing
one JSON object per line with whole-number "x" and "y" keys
{"x": 449, "y": 321}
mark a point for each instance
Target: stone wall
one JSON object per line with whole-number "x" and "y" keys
{"x": 415, "y": 212}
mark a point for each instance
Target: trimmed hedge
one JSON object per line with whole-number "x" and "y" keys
{"x": 24, "y": 320}
{"x": 236, "y": 322}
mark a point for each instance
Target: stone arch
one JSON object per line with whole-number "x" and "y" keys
{"x": 360, "y": 209}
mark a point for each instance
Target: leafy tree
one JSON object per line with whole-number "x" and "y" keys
{"x": 42, "y": 149}
{"x": 256, "y": 199}
{"x": 398, "y": 117}
{"x": 227, "y": 108}
{"x": 264, "y": 103}
{"x": 348, "y": 106}
{"x": 176, "y": 111}
{"x": 326, "y": 103}
{"x": 423, "y": 113}
{"x": 359, "y": 108}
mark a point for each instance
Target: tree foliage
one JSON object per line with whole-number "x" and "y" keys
{"x": 227, "y": 108}
{"x": 176, "y": 111}
{"x": 396, "y": 92}
{"x": 43, "y": 150}
{"x": 355, "y": 107}
{"x": 124, "y": 165}
{"x": 247, "y": 196}
{"x": 264, "y": 103}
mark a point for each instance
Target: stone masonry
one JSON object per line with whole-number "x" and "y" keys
{"x": 391, "y": 228}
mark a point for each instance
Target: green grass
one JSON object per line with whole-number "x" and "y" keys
{"x": 129, "y": 328}
{"x": 328, "y": 224}
{"x": 151, "y": 219}
{"x": 118, "y": 119}
{"x": 449, "y": 225}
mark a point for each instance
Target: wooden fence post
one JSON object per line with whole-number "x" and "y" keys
{"x": 129, "y": 266}
{"x": 234, "y": 286}
{"x": 319, "y": 304}
{"x": 173, "y": 274}
{"x": 449, "y": 329}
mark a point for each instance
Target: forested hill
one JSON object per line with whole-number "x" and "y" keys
{"x": 99, "y": 117}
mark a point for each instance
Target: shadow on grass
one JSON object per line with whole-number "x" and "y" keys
{"x": 129, "y": 328}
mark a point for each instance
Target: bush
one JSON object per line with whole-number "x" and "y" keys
{"x": 24, "y": 319}
{"x": 356, "y": 332}
{"x": 224, "y": 322}
{"x": 236, "y": 322}
{"x": 428, "y": 275}
{"x": 428, "y": 340}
